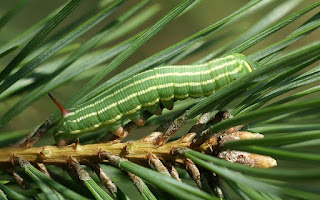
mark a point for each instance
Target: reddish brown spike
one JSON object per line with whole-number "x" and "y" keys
{"x": 61, "y": 108}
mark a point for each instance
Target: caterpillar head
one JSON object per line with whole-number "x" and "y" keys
{"x": 245, "y": 67}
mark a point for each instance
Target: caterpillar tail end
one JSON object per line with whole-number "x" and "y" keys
{"x": 58, "y": 104}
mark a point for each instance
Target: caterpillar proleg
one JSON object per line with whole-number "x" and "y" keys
{"x": 150, "y": 90}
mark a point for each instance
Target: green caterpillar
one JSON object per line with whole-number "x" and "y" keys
{"x": 146, "y": 91}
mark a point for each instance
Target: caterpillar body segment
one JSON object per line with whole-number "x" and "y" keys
{"x": 148, "y": 91}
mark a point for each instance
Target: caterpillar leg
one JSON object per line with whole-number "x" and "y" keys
{"x": 154, "y": 109}
{"x": 137, "y": 118}
{"x": 119, "y": 132}
{"x": 140, "y": 122}
{"x": 168, "y": 104}
{"x": 158, "y": 111}
{"x": 63, "y": 142}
